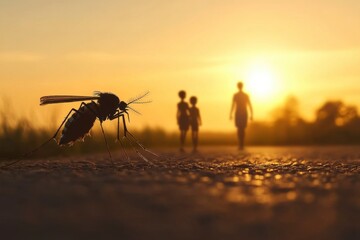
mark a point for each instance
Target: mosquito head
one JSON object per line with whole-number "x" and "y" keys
{"x": 123, "y": 106}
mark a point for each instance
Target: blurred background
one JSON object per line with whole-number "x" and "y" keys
{"x": 299, "y": 61}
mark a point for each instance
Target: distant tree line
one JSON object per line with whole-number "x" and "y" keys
{"x": 335, "y": 123}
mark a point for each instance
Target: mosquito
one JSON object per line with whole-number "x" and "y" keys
{"x": 78, "y": 122}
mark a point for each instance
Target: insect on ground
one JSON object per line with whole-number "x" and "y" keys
{"x": 102, "y": 106}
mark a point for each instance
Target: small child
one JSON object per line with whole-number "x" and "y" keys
{"x": 195, "y": 122}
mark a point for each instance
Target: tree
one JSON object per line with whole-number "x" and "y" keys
{"x": 337, "y": 123}
{"x": 335, "y": 113}
{"x": 289, "y": 127}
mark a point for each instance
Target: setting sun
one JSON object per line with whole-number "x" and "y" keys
{"x": 260, "y": 81}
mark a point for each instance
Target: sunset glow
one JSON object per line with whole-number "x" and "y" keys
{"x": 278, "y": 48}
{"x": 261, "y": 82}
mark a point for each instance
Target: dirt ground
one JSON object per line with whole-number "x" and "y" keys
{"x": 218, "y": 193}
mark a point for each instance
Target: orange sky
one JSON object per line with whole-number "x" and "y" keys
{"x": 309, "y": 49}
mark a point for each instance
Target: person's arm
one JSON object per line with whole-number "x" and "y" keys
{"x": 177, "y": 114}
{"x": 232, "y": 108}
{"x": 188, "y": 110}
{"x": 199, "y": 118}
{"x": 251, "y": 109}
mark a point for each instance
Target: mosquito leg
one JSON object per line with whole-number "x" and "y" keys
{"x": 131, "y": 142}
{"x": 136, "y": 141}
{"x": 137, "y": 151}
{"x": 102, "y": 129}
{"x": 67, "y": 116}
{"x": 126, "y": 155}
{"x": 12, "y": 163}
{"x": 119, "y": 140}
{"x": 54, "y": 136}
{"x": 142, "y": 146}
{"x": 107, "y": 145}
{"x": 91, "y": 110}
{"x": 118, "y": 128}
{"x": 25, "y": 155}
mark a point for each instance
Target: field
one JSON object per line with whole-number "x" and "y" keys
{"x": 217, "y": 193}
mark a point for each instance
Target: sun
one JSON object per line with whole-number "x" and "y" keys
{"x": 260, "y": 81}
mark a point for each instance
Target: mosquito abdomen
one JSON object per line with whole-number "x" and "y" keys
{"x": 79, "y": 124}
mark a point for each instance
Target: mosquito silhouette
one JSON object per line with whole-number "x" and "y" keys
{"x": 107, "y": 107}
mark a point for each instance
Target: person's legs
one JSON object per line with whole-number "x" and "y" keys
{"x": 195, "y": 140}
{"x": 182, "y": 139}
{"x": 241, "y": 137}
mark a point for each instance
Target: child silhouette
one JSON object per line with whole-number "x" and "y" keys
{"x": 182, "y": 117}
{"x": 195, "y": 122}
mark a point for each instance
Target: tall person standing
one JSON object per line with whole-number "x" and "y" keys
{"x": 240, "y": 103}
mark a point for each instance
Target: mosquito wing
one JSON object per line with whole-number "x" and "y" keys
{"x": 65, "y": 98}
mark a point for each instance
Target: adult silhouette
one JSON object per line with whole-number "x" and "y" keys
{"x": 241, "y": 102}
{"x": 182, "y": 116}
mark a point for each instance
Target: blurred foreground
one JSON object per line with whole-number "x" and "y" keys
{"x": 219, "y": 193}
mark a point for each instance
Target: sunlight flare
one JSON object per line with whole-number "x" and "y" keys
{"x": 260, "y": 81}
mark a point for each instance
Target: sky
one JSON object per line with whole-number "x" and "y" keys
{"x": 306, "y": 49}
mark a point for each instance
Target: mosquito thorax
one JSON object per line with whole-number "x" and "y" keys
{"x": 108, "y": 103}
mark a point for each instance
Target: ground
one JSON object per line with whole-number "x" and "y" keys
{"x": 217, "y": 193}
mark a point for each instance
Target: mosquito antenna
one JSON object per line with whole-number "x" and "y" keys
{"x": 142, "y": 102}
{"x": 133, "y": 100}
{"x": 132, "y": 109}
